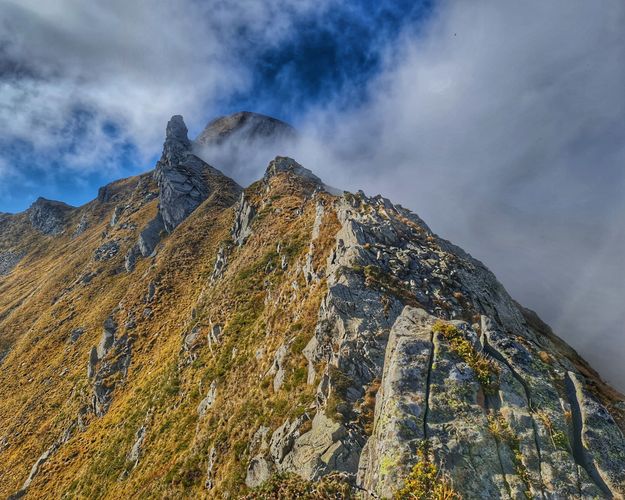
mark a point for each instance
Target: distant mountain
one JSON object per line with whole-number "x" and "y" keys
{"x": 244, "y": 126}
{"x": 242, "y": 144}
{"x": 183, "y": 337}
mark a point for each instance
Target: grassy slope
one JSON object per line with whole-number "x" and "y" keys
{"x": 256, "y": 306}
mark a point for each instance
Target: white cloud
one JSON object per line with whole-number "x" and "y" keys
{"x": 132, "y": 64}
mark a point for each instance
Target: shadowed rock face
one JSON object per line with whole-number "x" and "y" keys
{"x": 184, "y": 179}
{"x": 180, "y": 176}
{"x": 243, "y": 126}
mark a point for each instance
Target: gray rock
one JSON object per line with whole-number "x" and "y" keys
{"x": 150, "y": 236}
{"x": 277, "y": 367}
{"x": 214, "y": 335}
{"x": 135, "y": 452}
{"x": 49, "y": 217}
{"x": 209, "y": 400}
{"x": 93, "y": 362}
{"x": 108, "y": 337}
{"x": 191, "y": 338}
{"x": 110, "y": 373}
{"x": 8, "y": 261}
{"x": 210, "y": 469}
{"x": 327, "y": 447}
{"x": 180, "y": 176}
{"x": 220, "y": 263}
{"x": 242, "y": 227}
{"x": 117, "y": 212}
{"x": 130, "y": 260}
{"x": 107, "y": 251}
{"x": 258, "y": 471}
{"x": 75, "y": 334}
{"x": 151, "y": 292}
{"x": 81, "y": 227}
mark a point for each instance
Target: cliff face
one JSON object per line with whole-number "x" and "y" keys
{"x": 182, "y": 337}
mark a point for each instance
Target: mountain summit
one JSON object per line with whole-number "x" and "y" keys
{"x": 244, "y": 126}
{"x": 182, "y": 337}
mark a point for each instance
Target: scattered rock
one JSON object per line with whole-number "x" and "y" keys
{"x": 75, "y": 334}
{"x": 210, "y": 472}
{"x": 107, "y": 251}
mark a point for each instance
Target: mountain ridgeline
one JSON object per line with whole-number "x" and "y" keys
{"x": 183, "y": 337}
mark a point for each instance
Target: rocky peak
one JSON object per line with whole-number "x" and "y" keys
{"x": 48, "y": 216}
{"x": 245, "y": 126}
{"x": 177, "y": 144}
{"x": 180, "y": 176}
{"x": 284, "y": 164}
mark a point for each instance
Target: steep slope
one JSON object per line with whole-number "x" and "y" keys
{"x": 274, "y": 331}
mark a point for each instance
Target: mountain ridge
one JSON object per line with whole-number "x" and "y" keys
{"x": 275, "y": 330}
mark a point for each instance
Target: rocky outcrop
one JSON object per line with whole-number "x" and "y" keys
{"x": 180, "y": 176}
{"x": 150, "y": 236}
{"x": 283, "y": 164}
{"x": 107, "y": 250}
{"x": 49, "y": 217}
{"x": 184, "y": 182}
{"x": 8, "y": 261}
{"x": 243, "y": 217}
{"x": 390, "y": 282}
{"x": 209, "y": 400}
{"x": 108, "y": 366}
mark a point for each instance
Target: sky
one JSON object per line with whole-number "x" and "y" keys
{"x": 502, "y": 124}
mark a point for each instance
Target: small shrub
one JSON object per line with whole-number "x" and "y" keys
{"x": 503, "y": 433}
{"x": 425, "y": 481}
{"x": 486, "y": 371}
{"x": 280, "y": 486}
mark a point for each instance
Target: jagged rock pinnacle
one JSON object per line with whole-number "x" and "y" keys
{"x": 177, "y": 144}
{"x": 179, "y": 175}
